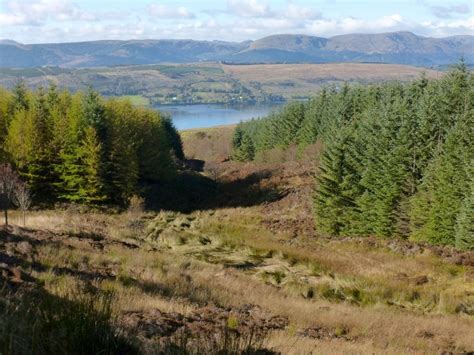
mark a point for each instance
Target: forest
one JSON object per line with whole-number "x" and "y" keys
{"x": 81, "y": 148}
{"x": 398, "y": 159}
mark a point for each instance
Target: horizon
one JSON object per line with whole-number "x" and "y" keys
{"x": 63, "y": 21}
{"x": 229, "y": 41}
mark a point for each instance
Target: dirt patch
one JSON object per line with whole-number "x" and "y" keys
{"x": 322, "y": 333}
{"x": 211, "y": 323}
{"x": 211, "y": 144}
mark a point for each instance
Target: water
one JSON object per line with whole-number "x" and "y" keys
{"x": 209, "y": 115}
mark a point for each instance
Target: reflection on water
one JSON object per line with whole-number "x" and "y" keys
{"x": 203, "y": 115}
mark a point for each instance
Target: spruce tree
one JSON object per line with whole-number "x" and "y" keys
{"x": 464, "y": 230}
{"x": 5, "y": 117}
{"x": 120, "y": 164}
{"x": 337, "y": 187}
{"x": 20, "y": 97}
{"x": 246, "y": 149}
{"x": 90, "y": 189}
{"x": 437, "y": 205}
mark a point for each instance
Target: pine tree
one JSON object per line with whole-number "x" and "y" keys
{"x": 5, "y": 117}
{"x": 67, "y": 136}
{"x": 386, "y": 169}
{"x": 338, "y": 187}
{"x": 121, "y": 163}
{"x": 246, "y": 149}
{"x": 291, "y": 121}
{"x": 174, "y": 138}
{"x": 20, "y": 97}
{"x": 153, "y": 148}
{"x": 94, "y": 113}
{"x": 21, "y": 139}
{"x": 39, "y": 172}
{"x": 90, "y": 189}
{"x": 464, "y": 230}
{"x": 443, "y": 189}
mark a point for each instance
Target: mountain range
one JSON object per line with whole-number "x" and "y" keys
{"x": 395, "y": 47}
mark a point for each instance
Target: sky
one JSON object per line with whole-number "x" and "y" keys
{"x": 45, "y": 21}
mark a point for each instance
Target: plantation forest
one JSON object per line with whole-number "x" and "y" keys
{"x": 398, "y": 158}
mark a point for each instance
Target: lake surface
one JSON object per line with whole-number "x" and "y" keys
{"x": 209, "y": 115}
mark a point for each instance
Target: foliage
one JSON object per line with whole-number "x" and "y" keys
{"x": 82, "y": 148}
{"x": 398, "y": 158}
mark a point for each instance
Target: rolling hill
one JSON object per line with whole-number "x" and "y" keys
{"x": 212, "y": 82}
{"x": 395, "y": 48}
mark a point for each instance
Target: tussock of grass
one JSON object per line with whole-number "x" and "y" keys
{"x": 70, "y": 322}
{"x": 228, "y": 259}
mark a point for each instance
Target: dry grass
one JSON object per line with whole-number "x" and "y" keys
{"x": 324, "y": 72}
{"x": 190, "y": 266}
{"x": 211, "y": 145}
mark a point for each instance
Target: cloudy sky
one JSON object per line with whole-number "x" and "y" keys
{"x": 39, "y": 21}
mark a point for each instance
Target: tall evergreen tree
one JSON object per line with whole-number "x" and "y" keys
{"x": 90, "y": 187}
{"x": 338, "y": 187}
{"x": 464, "y": 230}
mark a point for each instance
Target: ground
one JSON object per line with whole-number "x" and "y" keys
{"x": 248, "y": 269}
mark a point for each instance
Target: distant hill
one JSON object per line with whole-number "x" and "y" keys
{"x": 395, "y": 48}
{"x": 212, "y": 82}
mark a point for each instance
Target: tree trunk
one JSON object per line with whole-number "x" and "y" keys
{"x": 6, "y": 216}
{"x": 24, "y": 218}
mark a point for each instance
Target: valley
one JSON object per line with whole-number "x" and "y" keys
{"x": 241, "y": 270}
{"x": 238, "y": 177}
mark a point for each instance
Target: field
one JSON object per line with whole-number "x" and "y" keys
{"x": 245, "y": 269}
{"x": 212, "y": 82}
{"x": 137, "y": 100}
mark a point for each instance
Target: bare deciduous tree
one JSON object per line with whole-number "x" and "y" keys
{"x": 8, "y": 183}
{"x": 22, "y": 199}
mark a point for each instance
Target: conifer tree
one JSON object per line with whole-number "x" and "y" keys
{"x": 443, "y": 190}
{"x": 464, "y": 230}
{"x": 5, "y": 117}
{"x": 20, "y": 97}
{"x": 120, "y": 163}
{"x": 173, "y": 138}
{"x": 246, "y": 149}
{"x": 90, "y": 188}
{"x": 338, "y": 187}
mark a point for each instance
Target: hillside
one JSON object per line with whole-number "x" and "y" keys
{"x": 173, "y": 281}
{"x": 212, "y": 82}
{"x": 396, "y": 48}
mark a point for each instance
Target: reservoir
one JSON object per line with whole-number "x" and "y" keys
{"x": 210, "y": 115}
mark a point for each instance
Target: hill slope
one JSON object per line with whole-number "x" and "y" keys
{"x": 212, "y": 82}
{"x": 397, "y": 47}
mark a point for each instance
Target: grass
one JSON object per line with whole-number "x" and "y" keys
{"x": 137, "y": 100}
{"x": 70, "y": 321}
{"x": 227, "y": 258}
{"x": 211, "y": 144}
{"x": 90, "y": 268}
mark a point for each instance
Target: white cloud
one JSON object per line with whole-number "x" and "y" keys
{"x": 330, "y": 27}
{"x": 449, "y": 11}
{"x": 249, "y": 8}
{"x": 295, "y": 11}
{"x": 12, "y": 19}
{"x": 36, "y": 12}
{"x": 446, "y": 28}
{"x": 164, "y": 11}
{"x": 64, "y": 20}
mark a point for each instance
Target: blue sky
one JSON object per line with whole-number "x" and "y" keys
{"x": 40, "y": 21}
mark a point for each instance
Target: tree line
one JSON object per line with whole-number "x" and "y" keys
{"x": 83, "y": 148}
{"x": 398, "y": 158}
